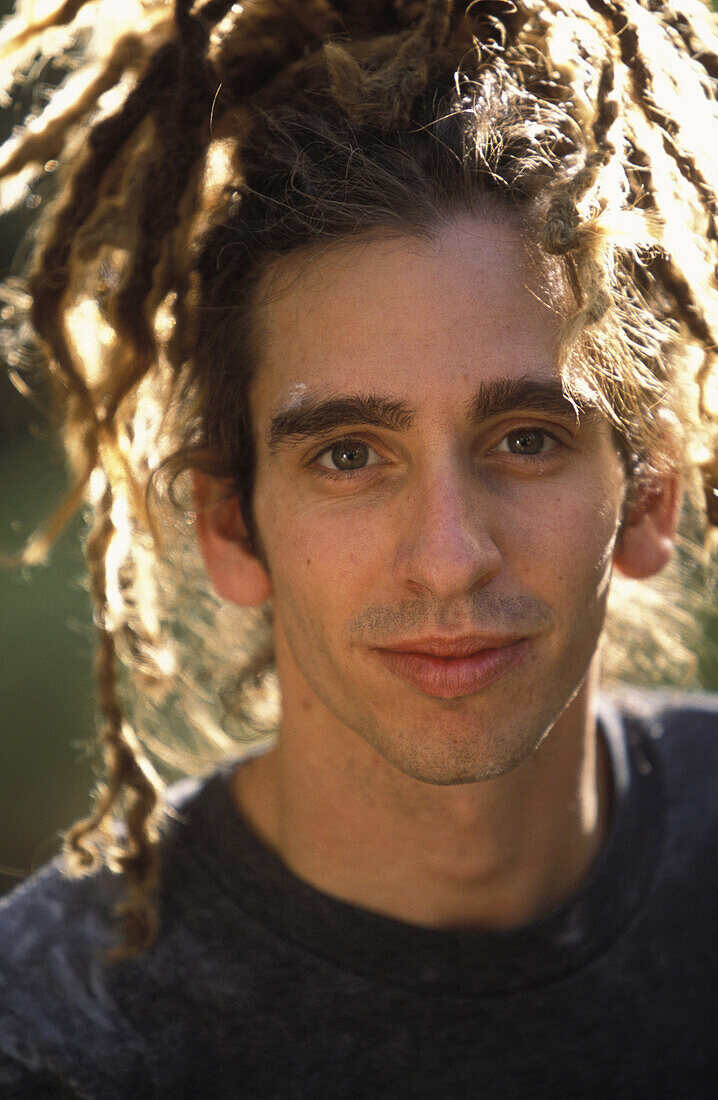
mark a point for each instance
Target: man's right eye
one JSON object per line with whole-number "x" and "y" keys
{"x": 348, "y": 455}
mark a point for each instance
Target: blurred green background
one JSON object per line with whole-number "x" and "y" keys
{"x": 46, "y": 707}
{"x": 45, "y": 675}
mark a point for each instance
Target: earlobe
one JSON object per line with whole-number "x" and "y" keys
{"x": 646, "y": 539}
{"x": 236, "y": 572}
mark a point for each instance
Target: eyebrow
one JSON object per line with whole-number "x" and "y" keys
{"x": 539, "y": 395}
{"x": 313, "y": 416}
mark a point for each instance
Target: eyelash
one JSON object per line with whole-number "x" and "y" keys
{"x": 346, "y": 441}
{"x": 555, "y": 439}
{"x": 349, "y": 441}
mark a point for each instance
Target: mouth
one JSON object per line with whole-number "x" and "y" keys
{"x": 449, "y": 668}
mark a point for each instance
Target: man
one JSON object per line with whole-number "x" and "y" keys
{"x": 437, "y": 369}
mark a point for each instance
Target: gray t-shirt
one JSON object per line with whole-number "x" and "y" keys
{"x": 261, "y": 986}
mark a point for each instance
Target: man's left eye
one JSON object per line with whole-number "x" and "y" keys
{"x": 527, "y": 441}
{"x": 348, "y": 455}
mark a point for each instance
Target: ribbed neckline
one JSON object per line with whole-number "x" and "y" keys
{"x": 454, "y": 963}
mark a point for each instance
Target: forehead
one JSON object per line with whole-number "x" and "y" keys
{"x": 426, "y": 320}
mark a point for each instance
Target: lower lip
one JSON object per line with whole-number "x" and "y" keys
{"x": 453, "y": 677}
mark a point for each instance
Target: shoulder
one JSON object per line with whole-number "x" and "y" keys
{"x": 19, "y": 1081}
{"x": 674, "y": 735}
{"x": 67, "y": 1012}
{"x": 52, "y": 928}
{"x": 683, "y": 726}
{"x": 56, "y": 1012}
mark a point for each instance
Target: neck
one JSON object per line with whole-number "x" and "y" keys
{"x": 490, "y": 855}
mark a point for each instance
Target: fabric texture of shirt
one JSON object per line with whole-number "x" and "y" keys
{"x": 261, "y": 986}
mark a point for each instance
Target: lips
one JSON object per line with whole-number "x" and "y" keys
{"x": 449, "y": 668}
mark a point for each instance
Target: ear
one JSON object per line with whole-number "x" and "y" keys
{"x": 645, "y": 542}
{"x": 235, "y": 571}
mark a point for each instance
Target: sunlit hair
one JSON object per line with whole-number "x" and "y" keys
{"x": 196, "y": 145}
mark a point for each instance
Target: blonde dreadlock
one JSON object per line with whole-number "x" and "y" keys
{"x": 200, "y": 142}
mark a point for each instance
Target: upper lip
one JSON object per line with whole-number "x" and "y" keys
{"x": 460, "y": 646}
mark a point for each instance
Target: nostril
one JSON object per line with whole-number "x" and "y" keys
{"x": 448, "y": 560}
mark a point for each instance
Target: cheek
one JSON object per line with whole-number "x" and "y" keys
{"x": 323, "y": 557}
{"x": 566, "y": 541}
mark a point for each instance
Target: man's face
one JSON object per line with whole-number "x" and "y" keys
{"x": 438, "y": 523}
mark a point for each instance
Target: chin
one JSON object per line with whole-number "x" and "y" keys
{"x": 452, "y": 758}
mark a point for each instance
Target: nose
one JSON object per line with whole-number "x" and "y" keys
{"x": 447, "y": 548}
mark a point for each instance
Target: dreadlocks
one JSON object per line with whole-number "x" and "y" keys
{"x": 199, "y": 143}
